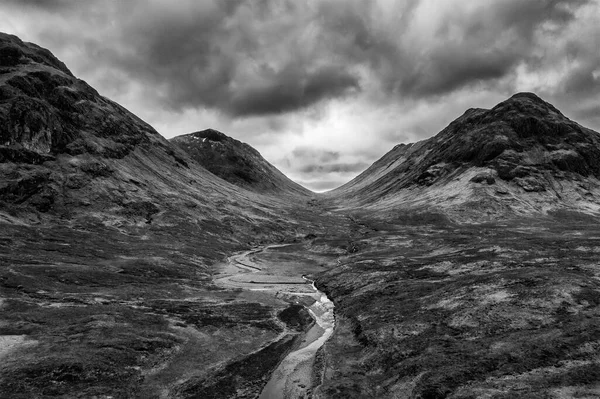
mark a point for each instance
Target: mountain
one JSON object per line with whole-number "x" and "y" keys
{"x": 431, "y": 305}
{"x": 66, "y": 151}
{"x": 522, "y": 156}
{"x": 236, "y": 162}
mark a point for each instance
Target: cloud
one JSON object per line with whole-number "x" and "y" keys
{"x": 315, "y": 154}
{"x": 309, "y": 164}
{"x": 334, "y": 167}
{"x": 583, "y": 79}
{"x": 290, "y": 90}
{"x": 254, "y": 58}
{"x": 239, "y": 57}
{"x": 456, "y": 44}
{"x": 44, "y": 4}
{"x": 249, "y": 58}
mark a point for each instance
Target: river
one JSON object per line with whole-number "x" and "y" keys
{"x": 293, "y": 376}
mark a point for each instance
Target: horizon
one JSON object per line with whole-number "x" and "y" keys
{"x": 362, "y": 79}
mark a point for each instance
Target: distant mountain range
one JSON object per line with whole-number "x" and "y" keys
{"x": 522, "y": 156}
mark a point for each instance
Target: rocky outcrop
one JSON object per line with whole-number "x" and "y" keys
{"x": 46, "y": 110}
{"x": 56, "y": 132}
{"x": 484, "y": 177}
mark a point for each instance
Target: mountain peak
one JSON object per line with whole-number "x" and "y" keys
{"x": 526, "y": 95}
{"x": 211, "y": 135}
{"x": 527, "y": 103}
{"x": 15, "y": 52}
{"x": 236, "y": 162}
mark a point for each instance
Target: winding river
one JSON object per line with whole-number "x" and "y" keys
{"x": 293, "y": 377}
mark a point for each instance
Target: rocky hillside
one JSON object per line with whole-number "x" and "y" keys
{"x": 236, "y": 162}
{"x": 67, "y": 151}
{"x": 522, "y": 156}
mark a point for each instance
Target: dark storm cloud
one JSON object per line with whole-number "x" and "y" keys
{"x": 47, "y": 4}
{"x": 452, "y": 68}
{"x": 292, "y": 90}
{"x": 473, "y": 42}
{"x": 277, "y": 56}
{"x": 243, "y": 58}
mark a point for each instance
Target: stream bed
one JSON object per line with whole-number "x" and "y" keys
{"x": 293, "y": 376}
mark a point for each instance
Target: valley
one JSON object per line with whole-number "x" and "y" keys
{"x": 422, "y": 305}
{"x": 131, "y": 266}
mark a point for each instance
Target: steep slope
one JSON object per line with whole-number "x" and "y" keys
{"x": 521, "y": 156}
{"x": 236, "y": 162}
{"x": 66, "y": 150}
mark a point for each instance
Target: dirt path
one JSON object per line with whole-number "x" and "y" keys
{"x": 292, "y": 378}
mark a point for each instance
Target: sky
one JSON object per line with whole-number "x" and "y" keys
{"x": 322, "y": 88}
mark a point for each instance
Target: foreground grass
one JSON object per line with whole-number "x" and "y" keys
{"x": 437, "y": 310}
{"x": 131, "y": 310}
{"x": 94, "y": 311}
{"x": 425, "y": 308}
